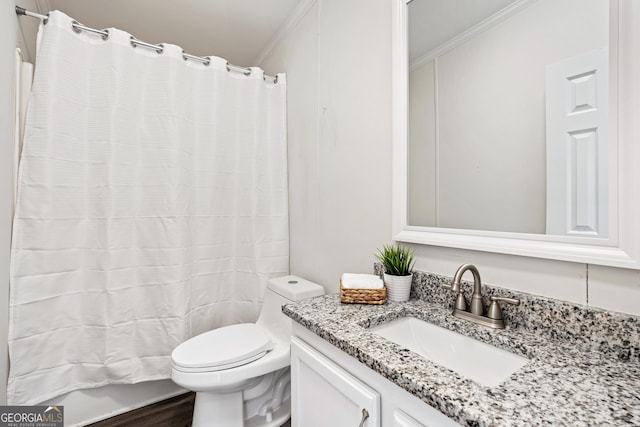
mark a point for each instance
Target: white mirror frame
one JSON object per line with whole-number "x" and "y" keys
{"x": 622, "y": 248}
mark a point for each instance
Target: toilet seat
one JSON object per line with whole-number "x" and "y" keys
{"x": 222, "y": 348}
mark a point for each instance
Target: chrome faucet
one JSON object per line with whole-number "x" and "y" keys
{"x": 493, "y": 319}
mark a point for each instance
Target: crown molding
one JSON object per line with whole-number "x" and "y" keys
{"x": 472, "y": 32}
{"x": 292, "y": 20}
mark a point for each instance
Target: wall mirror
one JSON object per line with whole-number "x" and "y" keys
{"x": 510, "y": 129}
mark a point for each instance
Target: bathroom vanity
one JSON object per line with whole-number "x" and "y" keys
{"x": 334, "y": 389}
{"x": 582, "y": 368}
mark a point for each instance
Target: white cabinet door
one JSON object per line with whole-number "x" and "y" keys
{"x": 325, "y": 395}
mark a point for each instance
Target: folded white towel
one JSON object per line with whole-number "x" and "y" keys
{"x": 361, "y": 281}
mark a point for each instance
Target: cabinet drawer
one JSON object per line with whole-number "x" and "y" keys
{"x": 400, "y": 419}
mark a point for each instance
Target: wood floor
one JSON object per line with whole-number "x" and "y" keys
{"x": 174, "y": 412}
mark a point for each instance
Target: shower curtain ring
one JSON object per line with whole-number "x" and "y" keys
{"x": 159, "y": 48}
{"x": 244, "y": 70}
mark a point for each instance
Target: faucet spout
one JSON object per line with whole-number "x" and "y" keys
{"x": 493, "y": 319}
{"x": 476, "y": 298}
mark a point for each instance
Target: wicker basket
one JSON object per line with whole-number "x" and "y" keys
{"x": 363, "y": 296}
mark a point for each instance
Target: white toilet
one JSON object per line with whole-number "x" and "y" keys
{"x": 240, "y": 373}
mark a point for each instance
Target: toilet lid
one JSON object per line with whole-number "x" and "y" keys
{"x": 222, "y": 348}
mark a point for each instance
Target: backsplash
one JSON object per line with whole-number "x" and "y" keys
{"x": 607, "y": 331}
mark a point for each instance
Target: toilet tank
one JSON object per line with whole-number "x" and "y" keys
{"x": 294, "y": 288}
{"x": 281, "y": 291}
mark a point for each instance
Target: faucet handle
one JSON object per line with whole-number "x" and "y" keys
{"x": 454, "y": 286}
{"x": 513, "y": 301}
{"x": 495, "y": 312}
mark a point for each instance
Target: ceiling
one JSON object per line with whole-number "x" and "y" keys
{"x": 240, "y": 30}
{"x": 434, "y": 22}
{"x": 237, "y": 30}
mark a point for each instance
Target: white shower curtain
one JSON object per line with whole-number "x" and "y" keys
{"x": 152, "y": 206}
{"x": 24, "y": 77}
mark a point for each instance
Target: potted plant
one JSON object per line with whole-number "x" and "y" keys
{"x": 397, "y": 262}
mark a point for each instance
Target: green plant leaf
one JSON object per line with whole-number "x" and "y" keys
{"x": 396, "y": 260}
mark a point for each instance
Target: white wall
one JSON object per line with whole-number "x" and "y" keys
{"x": 8, "y": 29}
{"x": 340, "y": 159}
{"x": 337, "y": 60}
{"x": 27, "y": 30}
{"x": 299, "y": 57}
{"x": 422, "y": 163}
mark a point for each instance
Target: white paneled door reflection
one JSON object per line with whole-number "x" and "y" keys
{"x": 577, "y": 114}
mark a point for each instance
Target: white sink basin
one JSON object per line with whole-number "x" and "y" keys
{"x": 480, "y": 362}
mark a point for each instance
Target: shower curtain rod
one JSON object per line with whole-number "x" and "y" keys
{"x": 77, "y": 27}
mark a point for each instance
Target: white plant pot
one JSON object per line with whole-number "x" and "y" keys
{"x": 398, "y": 287}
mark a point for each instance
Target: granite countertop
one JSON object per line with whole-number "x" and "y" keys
{"x": 566, "y": 382}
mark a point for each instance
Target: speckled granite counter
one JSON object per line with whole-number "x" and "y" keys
{"x": 592, "y": 381}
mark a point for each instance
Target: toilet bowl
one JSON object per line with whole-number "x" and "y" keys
{"x": 240, "y": 373}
